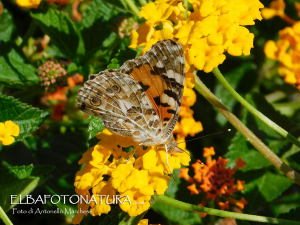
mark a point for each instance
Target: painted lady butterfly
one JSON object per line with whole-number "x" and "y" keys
{"x": 142, "y": 99}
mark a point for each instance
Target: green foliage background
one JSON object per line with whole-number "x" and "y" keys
{"x": 43, "y": 160}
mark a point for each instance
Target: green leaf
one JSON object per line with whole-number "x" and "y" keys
{"x": 122, "y": 56}
{"x": 27, "y": 117}
{"x": 14, "y": 70}
{"x": 293, "y": 214}
{"x": 60, "y": 29}
{"x": 19, "y": 181}
{"x": 234, "y": 77}
{"x": 286, "y": 203}
{"x": 7, "y": 26}
{"x": 265, "y": 188}
{"x": 95, "y": 127}
{"x": 240, "y": 147}
{"x": 96, "y": 26}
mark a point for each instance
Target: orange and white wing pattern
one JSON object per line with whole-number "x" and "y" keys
{"x": 161, "y": 74}
{"x": 142, "y": 99}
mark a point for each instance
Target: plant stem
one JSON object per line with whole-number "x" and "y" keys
{"x": 143, "y": 2}
{"x": 133, "y": 8}
{"x": 254, "y": 111}
{"x": 186, "y": 5}
{"x": 4, "y": 217}
{"x": 182, "y": 205}
{"x": 255, "y": 141}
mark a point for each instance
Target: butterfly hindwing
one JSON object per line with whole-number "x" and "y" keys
{"x": 121, "y": 104}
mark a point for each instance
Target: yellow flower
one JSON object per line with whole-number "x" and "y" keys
{"x": 276, "y": 9}
{"x": 189, "y": 33}
{"x": 143, "y": 222}
{"x": 156, "y": 13}
{"x": 7, "y": 131}
{"x": 101, "y": 205}
{"x": 157, "y": 36}
{"x": 141, "y": 36}
{"x": 28, "y": 4}
{"x": 239, "y": 40}
{"x": 287, "y": 51}
{"x": 204, "y": 56}
{"x": 138, "y": 204}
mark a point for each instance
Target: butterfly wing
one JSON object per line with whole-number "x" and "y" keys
{"x": 160, "y": 72}
{"x": 122, "y": 105}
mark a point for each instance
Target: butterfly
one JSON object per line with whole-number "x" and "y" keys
{"x": 142, "y": 98}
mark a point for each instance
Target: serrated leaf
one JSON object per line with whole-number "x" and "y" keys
{"x": 286, "y": 203}
{"x": 14, "y": 70}
{"x": 95, "y": 27}
{"x": 7, "y": 26}
{"x": 293, "y": 214}
{"x": 60, "y": 29}
{"x": 121, "y": 57}
{"x": 234, "y": 77}
{"x": 240, "y": 147}
{"x": 19, "y": 181}
{"x": 25, "y": 116}
{"x": 265, "y": 188}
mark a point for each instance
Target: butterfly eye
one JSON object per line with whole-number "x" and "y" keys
{"x": 95, "y": 101}
{"x": 116, "y": 88}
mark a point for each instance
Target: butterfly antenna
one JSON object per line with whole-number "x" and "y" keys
{"x": 197, "y": 160}
{"x": 224, "y": 131}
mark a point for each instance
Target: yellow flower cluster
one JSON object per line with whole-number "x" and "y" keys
{"x": 287, "y": 49}
{"x": 211, "y": 28}
{"x": 7, "y": 131}
{"x": 28, "y": 4}
{"x": 109, "y": 171}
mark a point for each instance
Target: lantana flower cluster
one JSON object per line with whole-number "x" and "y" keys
{"x": 206, "y": 32}
{"x": 52, "y": 75}
{"x": 287, "y": 49}
{"x": 8, "y": 131}
{"x": 215, "y": 180}
{"x": 125, "y": 26}
{"x": 109, "y": 170}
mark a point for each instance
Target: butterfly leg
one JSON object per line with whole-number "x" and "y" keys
{"x": 168, "y": 162}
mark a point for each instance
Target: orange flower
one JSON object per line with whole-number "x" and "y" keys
{"x": 215, "y": 180}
